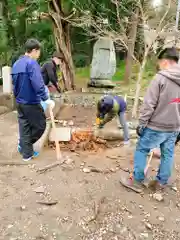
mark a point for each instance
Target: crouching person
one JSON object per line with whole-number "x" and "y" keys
{"x": 159, "y": 122}
{"x": 29, "y": 90}
{"x": 109, "y": 107}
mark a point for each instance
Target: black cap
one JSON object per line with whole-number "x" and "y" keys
{"x": 169, "y": 53}
{"x": 58, "y": 55}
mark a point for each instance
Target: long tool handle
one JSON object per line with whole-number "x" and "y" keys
{"x": 148, "y": 163}
{"x": 58, "y": 151}
{"x": 125, "y": 98}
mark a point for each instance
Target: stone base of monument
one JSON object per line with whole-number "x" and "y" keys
{"x": 113, "y": 134}
{"x": 100, "y": 83}
{"x": 7, "y": 100}
{"x": 103, "y": 90}
{"x": 65, "y": 133}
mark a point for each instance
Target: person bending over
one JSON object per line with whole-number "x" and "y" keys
{"x": 110, "y": 106}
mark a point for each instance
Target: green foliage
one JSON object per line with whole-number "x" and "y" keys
{"x": 119, "y": 75}
{"x": 20, "y": 22}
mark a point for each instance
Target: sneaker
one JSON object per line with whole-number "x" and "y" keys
{"x": 132, "y": 184}
{"x": 19, "y": 149}
{"x": 126, "y": 142}
{"x": 155, "y": 185}
{"x": 36, "y": 154}
{"x": 27, "y": 159}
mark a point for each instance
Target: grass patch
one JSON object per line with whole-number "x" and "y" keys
{"x": 83, "y": 72}
{"x": 120, "y": 70}
{"x": 83, "y": 76}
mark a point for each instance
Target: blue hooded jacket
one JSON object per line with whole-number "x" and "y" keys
{"x": 28, "y": 84}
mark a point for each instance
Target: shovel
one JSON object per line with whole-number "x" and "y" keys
{"x": 148, "y": 164}
{"x": 58, "y": 151}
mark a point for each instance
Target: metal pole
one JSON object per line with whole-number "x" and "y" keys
{"x": 177, "y": 16}
{"x": 177, "y": 25}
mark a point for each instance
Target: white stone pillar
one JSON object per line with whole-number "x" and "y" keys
{"x": 7, "y": 80}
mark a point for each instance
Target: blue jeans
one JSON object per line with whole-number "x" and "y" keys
{"x": 149, "y": 140}
{"x": 124, "y": 125}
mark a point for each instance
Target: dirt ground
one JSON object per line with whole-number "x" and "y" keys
{"x": 84, "y": 117}
{"x": 81, "y": 117}
{"x": 68, "y": 202}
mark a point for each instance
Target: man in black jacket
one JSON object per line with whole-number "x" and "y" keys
{"x": 49, "y": 71}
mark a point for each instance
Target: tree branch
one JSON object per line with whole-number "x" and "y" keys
{"x": 56, "y": 7}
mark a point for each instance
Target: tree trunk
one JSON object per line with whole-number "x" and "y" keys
{"x": 67, "y": 62}
{"x": 62, "y": 39}
{"x": 138, "y": 85}
{"x": 131, "y": 45}
{"x": 62, "y": 64}
{"x": 140, "y": 44}
{"x": 66, "y": 28}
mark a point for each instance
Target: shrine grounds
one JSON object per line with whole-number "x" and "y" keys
{"x": 82, "y": 198}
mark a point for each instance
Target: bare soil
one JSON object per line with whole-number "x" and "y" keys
{"x": 85, "y": 206}
{"x": 83, "y": 117}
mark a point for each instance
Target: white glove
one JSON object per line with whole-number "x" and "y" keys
{"x": 50, "y": 103}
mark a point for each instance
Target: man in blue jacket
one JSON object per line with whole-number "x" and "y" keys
{"x": 29, "y": 90}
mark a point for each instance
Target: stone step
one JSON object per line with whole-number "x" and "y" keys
{"x": 7, "y": 100}
{"x": 9, "y": 134}
{"x": 4, "y": 109}
{"x": 64, "y": 133}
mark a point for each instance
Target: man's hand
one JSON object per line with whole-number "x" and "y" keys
{"x": 139, "y": 130}
{"x": 50, "y": 103}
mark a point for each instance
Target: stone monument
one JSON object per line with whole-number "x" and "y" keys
{"x": 6, "y": 97}
{"x": 7, "y": 80}
{"x": 103, "y": 65}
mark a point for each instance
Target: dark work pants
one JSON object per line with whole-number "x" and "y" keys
{"x": 32, "y": 124}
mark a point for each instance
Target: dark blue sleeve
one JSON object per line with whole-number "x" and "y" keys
{"x": 37, "y": 80}
{"x": 100, "y": 114}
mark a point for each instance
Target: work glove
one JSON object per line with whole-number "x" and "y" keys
{"x": 50, "y": 103}
{"x": 139, "y": 130}
{"x": 99, "y": 123}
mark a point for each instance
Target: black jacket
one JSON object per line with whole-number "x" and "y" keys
{"x": 49, "y": 73}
